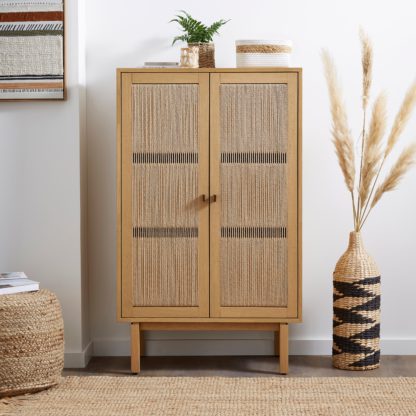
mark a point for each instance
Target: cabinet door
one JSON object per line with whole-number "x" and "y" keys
{"x": 254, "y": 175}
{"x": 164, "y": 173}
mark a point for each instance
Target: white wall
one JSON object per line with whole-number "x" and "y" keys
{"x": 40, "y": 192}
{"x": 126, "y": 33}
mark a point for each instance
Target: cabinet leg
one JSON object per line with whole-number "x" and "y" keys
{"x": 284, "y": 348}
{"x": 135, "y": 347}
{"x": 142, "y": 344}
{"x": 276, "y": 343}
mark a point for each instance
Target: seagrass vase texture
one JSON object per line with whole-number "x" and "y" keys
{"x": 206, "y": 54}
{"x": 356, "y": 319}
{"x": 31, "y": 342}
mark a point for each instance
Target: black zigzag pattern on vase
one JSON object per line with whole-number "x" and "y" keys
{"x": 356, "y": 322}
{"x": 368, "y": 361}
{"x": 350, "y": 316}
{"x": 368, "y": 333}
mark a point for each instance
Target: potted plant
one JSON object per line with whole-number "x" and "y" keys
{"x": 196, "y": 34}
{"x": 356, "y": 279}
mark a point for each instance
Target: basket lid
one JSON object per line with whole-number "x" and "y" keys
{"x": 263, "y": 42}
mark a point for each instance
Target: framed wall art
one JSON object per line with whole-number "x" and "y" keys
{"x": 32, "y": 50}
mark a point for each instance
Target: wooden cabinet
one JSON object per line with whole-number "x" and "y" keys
{"x": 209, "y": 201}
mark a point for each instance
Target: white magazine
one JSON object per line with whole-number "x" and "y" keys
{"x": 12, "y": 275}
{"x": 10, "y": 286}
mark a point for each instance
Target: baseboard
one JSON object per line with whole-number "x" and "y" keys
{"x": 188, "y": 347}
{"x": 324, "y": 347}
{"x": 78, "y": 359}
{"x": 262, "y": 346}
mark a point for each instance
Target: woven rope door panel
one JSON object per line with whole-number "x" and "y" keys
{"x": 253, "y": 167}
{"x": 165, "y": 182}
{"x": 253, "y": 177}
{"x": 165, "y": 202}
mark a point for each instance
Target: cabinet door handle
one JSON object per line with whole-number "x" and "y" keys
{"x": 212, "y": 198}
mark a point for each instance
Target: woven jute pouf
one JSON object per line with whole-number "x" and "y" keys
{"x": 356, "y": 321}
{"x": 31, "y": 342}
{"x": 206, "y": 54}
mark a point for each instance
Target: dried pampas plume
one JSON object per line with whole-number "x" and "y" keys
{"x": 367, "y": 64}
{"x": 402, "y": 118}
{"x": 373, "y": 153}
{"x": 372, "y": 147}
{"x": 341, "y": 136}
{"x": 399, "y": 169}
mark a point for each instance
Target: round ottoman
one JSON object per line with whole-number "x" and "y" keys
{"x": 31, "y": 342}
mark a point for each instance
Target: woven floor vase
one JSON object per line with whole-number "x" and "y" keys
{"x": 31, "y": 342}
{"x": 356, "y": 319}
{"x": 206, "y": 54}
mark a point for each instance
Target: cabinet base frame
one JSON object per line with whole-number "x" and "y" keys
{"x": 281, "y": 331}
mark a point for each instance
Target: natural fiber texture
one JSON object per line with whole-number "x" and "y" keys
{"x": 254, "y": 118}
{"x": 165, "y": 195}
{"x": 30, "y": 5}
{"x": 263, "y": 49}
{"x": 209, "y": 396}
{"x": 165, "y": 271}
{"x": 206, "y": 54}
{"x": 254, "y": 195}
{"x": 253, "y": 176}
{"x": 356, "y": 333}
{"x": 254, "y": 272}
{"x": 31, "y": 49}
{"x": 31, "y": 342}
{"x": 165, "y": 118}
{"x": 34, "y": 55}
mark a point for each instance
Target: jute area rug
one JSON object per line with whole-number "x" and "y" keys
{"x": 211, "y": 396}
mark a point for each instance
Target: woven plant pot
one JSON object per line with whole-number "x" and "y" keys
{"x": 206, "y": 54}
{"x": 356, "y": 320}
{"x": 31, "y": 342}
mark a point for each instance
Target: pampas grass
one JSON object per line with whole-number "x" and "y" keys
{"x": 399, "y": 169}
{"x": 367, "y": 65}
{"x": 341, "y": 136}
{"x": 402, "y": 118}
{"x": 373, "y": 152}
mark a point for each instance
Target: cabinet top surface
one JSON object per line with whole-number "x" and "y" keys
{"x": 206, "y": 70}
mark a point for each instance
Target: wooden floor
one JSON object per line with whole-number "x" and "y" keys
{"x": 248, "y": 366}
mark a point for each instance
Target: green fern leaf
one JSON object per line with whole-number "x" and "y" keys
{"x": 213, "y": 29}
{"x": 183, "y": 38}
{"x": 194, "y": 30}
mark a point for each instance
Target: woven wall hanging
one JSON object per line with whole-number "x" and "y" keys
{"x": 32, "y": 50}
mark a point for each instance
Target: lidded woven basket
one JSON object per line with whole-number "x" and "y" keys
{"x": 356, "y": 319}
{"x": 31, "y": 342}
{"x": 263, "y": 53}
